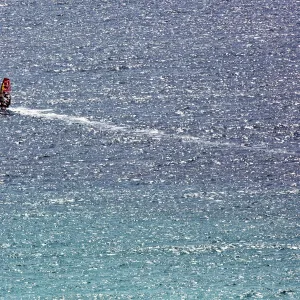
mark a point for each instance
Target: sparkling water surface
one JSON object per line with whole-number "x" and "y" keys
{"x": 151, "y": 150}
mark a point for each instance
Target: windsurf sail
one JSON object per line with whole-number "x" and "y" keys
{"x": 5, "y": 97}
{"x": 5, "y": 87}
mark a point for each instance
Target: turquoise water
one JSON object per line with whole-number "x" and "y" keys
{"x": 151, "y": 150}
{"x": 147, "y": 243}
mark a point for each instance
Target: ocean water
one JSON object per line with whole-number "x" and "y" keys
{"x": 151, "y": 151}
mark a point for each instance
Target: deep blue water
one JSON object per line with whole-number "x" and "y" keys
{"x": 151, "y": 150}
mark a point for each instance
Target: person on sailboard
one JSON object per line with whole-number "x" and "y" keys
{"x": 5, "y": 97}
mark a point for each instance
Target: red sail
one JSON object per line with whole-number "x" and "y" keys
{"x": 5, "y": 87}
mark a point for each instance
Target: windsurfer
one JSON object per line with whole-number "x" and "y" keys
{"x": 5, "y": 97}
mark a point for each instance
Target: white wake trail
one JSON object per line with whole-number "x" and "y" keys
{"x": 105, "y": 126}
{"x": 152, "y": 133}
{"x": 50, "y": 115}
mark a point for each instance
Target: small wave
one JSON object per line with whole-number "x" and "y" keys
{"x": 217, "y": 248}
{"x": 61, "y": 201}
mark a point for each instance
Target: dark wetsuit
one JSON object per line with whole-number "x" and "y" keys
{"x": 4, "y": 100}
